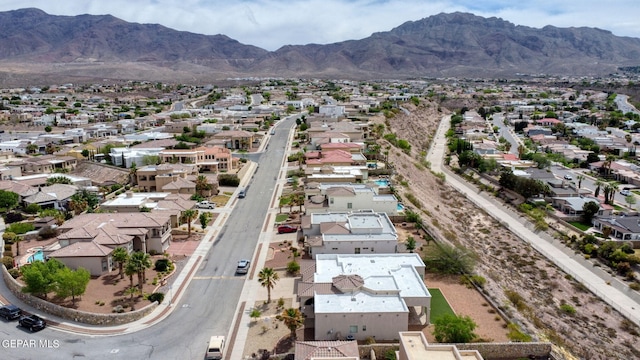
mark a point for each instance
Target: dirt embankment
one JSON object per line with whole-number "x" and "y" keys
{"x": 513, "y": 270}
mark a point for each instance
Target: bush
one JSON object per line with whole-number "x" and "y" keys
{"x": 8, "y": 262}
{"x": 157, "y": 296}
{"x": 13, "y": 217}
{"x": 20, "y": 228}
{"x": 293, "y": 268}
{"x": 9, "y": 237}
{"x": 48, "y": 232}
{"x": 7, "y": 247}
{"x": 32, "y": 209}
{"x": 567, "y": 309}
{"x": 14, "y": 273}
{"x": 162, "y": 265}
{"x": 228, "y": 180}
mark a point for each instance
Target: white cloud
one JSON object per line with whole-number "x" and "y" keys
{"x": 271, "y": 24}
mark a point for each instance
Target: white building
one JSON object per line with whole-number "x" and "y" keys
{"x": 361, "y": 232}
{"x": 361, "y": 296}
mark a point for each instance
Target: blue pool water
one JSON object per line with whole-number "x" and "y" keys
{"x": 400, "y": 207}
{"x": 38, "y": 256}
{"x": 382, "y": 182}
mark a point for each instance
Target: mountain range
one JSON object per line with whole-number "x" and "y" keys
{"x": 34, "y": 43}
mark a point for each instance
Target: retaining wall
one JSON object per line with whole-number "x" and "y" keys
{"x": 72, "y": 314}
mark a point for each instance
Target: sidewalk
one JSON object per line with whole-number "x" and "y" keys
{"x": 608, "y": 288}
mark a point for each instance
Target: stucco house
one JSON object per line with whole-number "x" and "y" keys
{"x": 332, "y": 197}
{"x": 88, "y": 240}
{"x": 363, "y": 296}
{"x": 358, "y": 232}
{"x": 55, "y": 196}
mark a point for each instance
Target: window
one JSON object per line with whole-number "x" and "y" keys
{"x": 357, "y": 250}
{"x": 364, "y": 327}
{"x": 353, "y": 329}
{"x": 349, "y": 205}
{"x": 330, "y": 200}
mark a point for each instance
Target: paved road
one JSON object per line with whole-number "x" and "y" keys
{"x": 608, "y": 288}
{"x": 207, "y": 307}
{"x": 507, "y": 132}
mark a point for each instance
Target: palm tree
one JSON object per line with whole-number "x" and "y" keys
{"x": 133, "y": 174}
{"x": 188, "y": 216}
{"x": 293, "y": 319}
{"x": 268, "y": 278}
{"x": 598, "y": 185}
{"x": 141, "y": 262}
{"x": 120, "y": 255}
{"x": 613, "y": 190}
{"x": 580, "y": 178}
{"x": 130, "y": 270}
{"x": 202, "y": 185}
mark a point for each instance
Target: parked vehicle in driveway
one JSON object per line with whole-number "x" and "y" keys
{"x": 568, "y": 177}
{"x": 32, "y": 322}
{"x": 10, "y": 312}
{"x": 282, "y": 229}
{"x": 625, "y": 192}
{"x": 206, "y": 205}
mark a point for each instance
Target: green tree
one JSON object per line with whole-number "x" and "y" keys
{"x": 71, "y": 282}
{"x": 47, "y": 128}
{"x": 293, "y": 319}
{"x": 255, "y": 314}
{"x": 447, "y": 259}
{"x": 85, "y": 153}
{"x": 268, "y": 279}
{"x": 202, "y": 185}
{"x": 8, "y": 199}
{"x": 589, "y": 210}
{"x": 130, "y": 269}
{"x": 204, "y": 219}
{"x": 450, "y": 328}
{"x": 410, "y": 244}
{"x": 39, "y": 277}
{"x": 120, "y": 255}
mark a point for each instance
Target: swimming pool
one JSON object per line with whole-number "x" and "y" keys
{"x": 400, "y": 207}
{"x": 37, "y": 256}
{"x": 382, "y": 182}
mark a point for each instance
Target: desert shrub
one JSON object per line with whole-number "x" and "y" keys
{"x": 567, "y": 309}
{"x": 14, "y": 273}
{"x": 8, "y": 262}
{"x": 161, "y": 265}
{"x": 516, "y": 335}
{"x": 118, "y": 309}
{"x": 369, "y": 340}
{"x": 293, "y": 268}
{"x": 156, "y": 296}
{"x": 634, "y": 286}
{"x": 7, "y": 247}
{"x": 390, "y": 354}
{"x": 48, "y": 232}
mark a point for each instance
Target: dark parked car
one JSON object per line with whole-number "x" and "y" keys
{"x": 10, "y": 312}
{"x": 242, "y": 193}
{"x": 287, "y": 229}
{"x": 32, "y": 322}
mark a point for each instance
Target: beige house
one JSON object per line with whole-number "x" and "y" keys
{"x": 87, "y": 240}
{"x": 154, "y": 178}
{"x": 414, "y": 346}
{"x": 47, "y": 164}
{"x": 361, "y": 296}
{"x": 236, "y": 139}
{"x": 332, "y": 197}
{"x": 206, "y": 158}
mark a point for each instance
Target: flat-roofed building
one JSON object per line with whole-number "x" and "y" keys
{"x": 361, "y": 296}
{"x": 414, "y": 346}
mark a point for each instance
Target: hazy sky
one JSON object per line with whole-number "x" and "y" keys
{"x": 271, "y": 24}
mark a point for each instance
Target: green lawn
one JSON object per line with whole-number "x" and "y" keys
{"x": 580, "y": 225}
{"x": 439, "y": 305}
{"x": 281, "y": 217}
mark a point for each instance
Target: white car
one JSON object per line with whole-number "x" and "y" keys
{"x": 206, "y": 205}
{"x": 568, "y": 177}
{"x": 625, "y": 192}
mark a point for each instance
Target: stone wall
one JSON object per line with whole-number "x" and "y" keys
{"x": 72, "y": 314}
{"x": 489, "y": 351}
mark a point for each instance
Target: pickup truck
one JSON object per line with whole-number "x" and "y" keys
{"x": 206, "y": 205}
